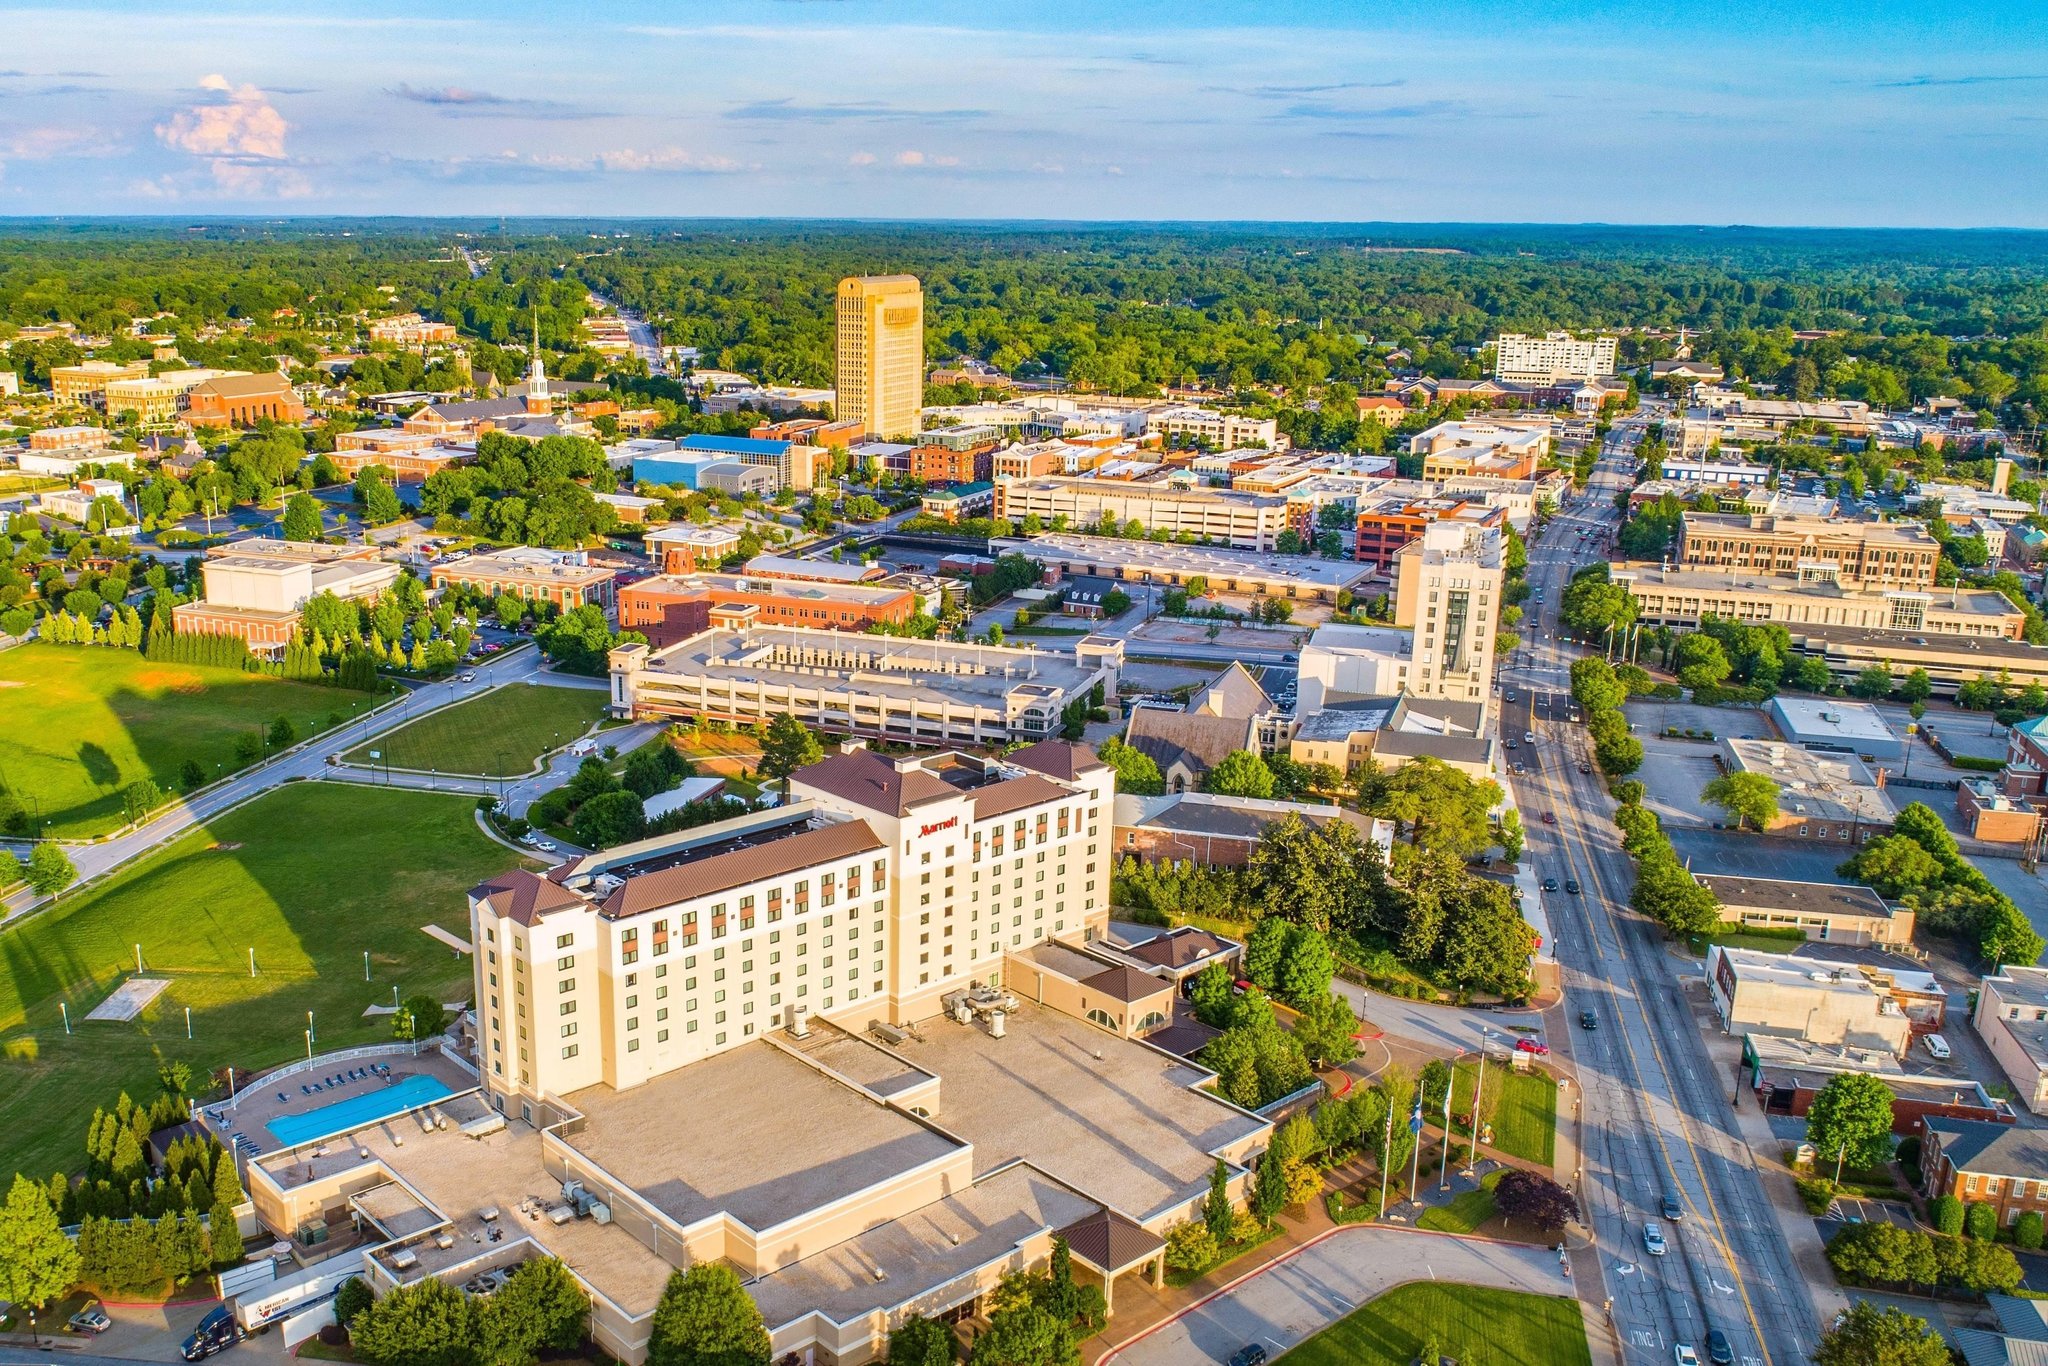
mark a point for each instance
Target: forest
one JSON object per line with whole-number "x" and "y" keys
{"x": 1263, "y": 310}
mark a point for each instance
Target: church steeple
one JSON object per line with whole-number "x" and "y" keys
{"x": 537, "y": 401}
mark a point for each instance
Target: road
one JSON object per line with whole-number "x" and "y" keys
{"x": 1657, "y": 1119}
{"x": 307, "y": 761}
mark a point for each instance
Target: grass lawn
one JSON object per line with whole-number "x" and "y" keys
{"x": 82, "y": 723}
{"x": 1525, "y": 1125}
{"x": 1477, "y": 1325}
{"x": 1467, "y": 1209}
{"x": 499, "y": 734}
{"x": 1736, "y": 939}
{"x": 311, "y": 876}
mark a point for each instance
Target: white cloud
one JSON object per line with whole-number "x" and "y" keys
{"x": 861, "y": 159}
{"x": 56, "y": 140}
{"x": 245, "y": 125}
{"x": 913, "y": 157}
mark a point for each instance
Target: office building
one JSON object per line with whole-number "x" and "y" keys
{"x": 1786, "y": 1076}
{"x": 1820, "y": 796}
{"x": 76, "y": 504}
{"x": 1873, "y": 555}
{"x": 1251, "y": 521}
{"x": 1733, "y": 473}
{"x": 825, "y": 571}
{"x": 1819, "y": 1000}
{"x": 565, "y": 578}
{"x": 686, "y": 549}
{"x": 1386, "y": 525}
{"x": 85, "y": 383}
{"x": 1843, "y": 727}
{"x": 254, "y": 589}
{"x": 1447, "y": 592}
{"x": 960, "y": 501}
{"x": 1820, "y": 608}
{"x": 879, "y": 379}
{"x": 2000, "y": 1165}
{"x": 1298, "y": 578}
{"x": 1223, "y": 431}
{"x": 1551, "y": 359}
{"x": 1834, "y": 913}
{"x": 1482, "y": 450}
{"x": 671, "y": 607}
{"x": 922, "y": 692}
{"x": 157, "y": 399}
{"x": 2011, "y": 1016}
{"x": 412, "y": 331}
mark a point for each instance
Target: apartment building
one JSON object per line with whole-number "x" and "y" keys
{"x": 85, "y": 383}
{"x": 946, "y": 463}
{"x": 686, "y": 549}
{"x": 879, "y": 377}
{"x": 244, "y": 400}
{"x": 412, "y": 331}
{"x": 1552, "y": 359}
{"x": 254, "y": 589}
{"x": 672, "y": 607}
{"x": 1810, "y": 550}
{"x": 1252, "y": 521}
{"x": 2012, "y": 1019}
{"x": 1386, "y": 525}
{"x": 923, "y": 692}
{"x": 1224, "y": 431}
{"x": 565, "y": 578}
{"x": 1487, "y": 450}
{"x": 2000, "y": 1165}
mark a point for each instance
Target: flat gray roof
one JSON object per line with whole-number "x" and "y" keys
{"x": 751, "y": 1132}
{"x": 1806, "y": 898}
{"x": 922, "y": 1250}
{"x": 928, "y": 670}
{"x": 1139, "y": 556}
{"x": 1117, "y": 1120}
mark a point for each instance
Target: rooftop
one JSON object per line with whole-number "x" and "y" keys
{"x": 1992, "y": 1149}
{"x": 1201, "y": 813}
{"x": 789, "y": 566}
{"x": 1812, "y": 785}
{"x": 751, "y": 1132}
{"x": 1116, "y": 1119}
{"x": 2022, "y": 986}
{"x": 1845, "y": 723}
{"x": 1808, "y": 898}
{"x": 1806, "y": 974}
{"x": 1184, "y": 560}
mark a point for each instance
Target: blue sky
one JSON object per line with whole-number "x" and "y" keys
{"x": 1881, "y": 113}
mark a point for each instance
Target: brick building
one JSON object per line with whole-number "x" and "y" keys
{"x": 674, "y": 607}
{"x": 2000, "y": 1165}
{"x": 685, "y": 549}
{"x": 242, "y": 400}
{"x": 1219, "y": 832}
{"x": 564, "y": 578}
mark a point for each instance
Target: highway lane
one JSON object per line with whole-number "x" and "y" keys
{"x": 1657, "y": 1117}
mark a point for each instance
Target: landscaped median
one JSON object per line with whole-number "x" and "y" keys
{"x": 1475, "y": 1325}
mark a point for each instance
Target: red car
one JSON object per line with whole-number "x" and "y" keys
{"x": 1531, "y": 1046}
{"x": 1550, "y": 818}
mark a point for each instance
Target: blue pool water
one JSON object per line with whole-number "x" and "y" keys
{"x": 367, "y": 1107}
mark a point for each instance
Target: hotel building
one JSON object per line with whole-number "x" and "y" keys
{"x": 1252, "y": 521}
{"x": 1551, "y": 359}
{"x": 879, "y": 380}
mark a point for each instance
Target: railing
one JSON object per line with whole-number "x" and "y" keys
{"x": 319, "y": 1061}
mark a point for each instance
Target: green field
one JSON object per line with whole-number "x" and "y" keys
{"x": 1525, "y": 1125}
{"x": 310, "y": 876}
{"x": 1477, "y": 1325}
{"x": 1467, "y": 1210}
{"x": 499, "y": 734}
{"x": 83, "y": 723}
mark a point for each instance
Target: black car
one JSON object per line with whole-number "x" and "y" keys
{"x": 1571, "y": 885}
{"x": 1550, "y": 884}
{"x": 1585, "y": 768}
{"x": 1588, "y": 1020}
{"x": 1718, "y": 1350}
{"x": 216, "y": 1333}
{"x": 1249, "y": 1355}
{"x": 1672, "y": 1209}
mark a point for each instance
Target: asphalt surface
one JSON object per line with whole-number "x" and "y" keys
{"x": 308, "y": 760}
{"x": 1657, "y": 1116}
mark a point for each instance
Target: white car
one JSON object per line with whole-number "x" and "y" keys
{"x": 545, "y": 846}
{"x": 1653, "y": 1238}
{"x": 1936, "y": 1046}
{"x": 1684, "y": 1355}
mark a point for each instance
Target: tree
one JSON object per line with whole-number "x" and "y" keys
{"x": 1442, "y": 807}
{"x": 1136, "y": 772}
{"x": 419, "y": 1017}
{"x": 1869, "y": 1335}
{"x": 787, "y": 746}
{"x": 191, "y": 777}
{"x": 1851, "y": 1118}
{"x": 919, "y": 1341}
{"x": 1212, "y": 995}
{"x": 1024, "y": 1335}
{"x": 302, "y": 518}
{"x": 1217, "y": 1214}
{"x": 2028, "y": 1230}
{"x": 1239, "y": 773}
{"x": 1529, "y": 1195}
{"x": 1700, "y": 662}
{"x": 1595, "y": 686}
{"x": 1916, "y": 686}
{"x": 48, "y": 868}
{"x": 1269, "y": 1184}
{"x": 138, "y": 799}
{"x": 1945, "y": 1212}
{"x": 1893, "y": 866}
{"x": 1980, "y": 1220}
{"x": 282, "y": 733}
{"x": 1325, "y": 1029}
{"x": 539, "y": 1308}
{"x": 1873, "y": 682}
{"x": 610, "y": 818}
{"x": 37, "y": 1262}
{"x": 426, "y": 1323}
{"x": 351, "y": 1298}
{"x": 1751, "y": 798}
{"x": 1265, "y": 950}
{"x": 705, "y": 1318}
{"x": 380, "y": 505}
{"x": 1307, "y": 969}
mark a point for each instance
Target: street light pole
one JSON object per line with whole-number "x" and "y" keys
{"x": 1386, "y": 1151}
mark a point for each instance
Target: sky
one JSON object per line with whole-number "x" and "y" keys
{"x": 1877, "y": 113}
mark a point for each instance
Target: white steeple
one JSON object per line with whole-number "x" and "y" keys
{"x": 537, "y": 375}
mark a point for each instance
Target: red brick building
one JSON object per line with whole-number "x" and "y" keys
{"x": 940, "y": 465}
{"x": 241, "y": 400}
{"x": 673, "y": 607}
{"x": 1996, "y": 1164}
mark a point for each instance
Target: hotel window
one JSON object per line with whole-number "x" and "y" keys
{"x": 661, "y": 1036}
{"x": 569, "y": 1052}
{"x": 566, "y": 963}
{"x": 632, "y": 1045}
{"x": 563, "y": 941}
{"x": 631, "y": 1002}
{"x": 569, "y": 1030}
{"x": 568, "y": 1008}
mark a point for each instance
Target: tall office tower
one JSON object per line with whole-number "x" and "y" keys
{"x": 881, "y": 354}
{"x": 1448, "y": 589}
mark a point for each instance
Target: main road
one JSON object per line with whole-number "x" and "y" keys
{"x": 1657, "y": 1118}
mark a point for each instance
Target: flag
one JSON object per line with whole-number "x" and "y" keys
{"x": 1415, "y": 1116}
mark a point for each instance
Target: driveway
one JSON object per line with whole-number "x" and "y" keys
{"x": 1321, "y": 1282}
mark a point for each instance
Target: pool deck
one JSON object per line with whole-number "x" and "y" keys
{"x": 250, "y": 1112}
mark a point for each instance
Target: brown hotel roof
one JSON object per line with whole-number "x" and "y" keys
{"x": 872, "y": 781}
{"x": 738, "y": 867}
{"x": 524, "y": 896}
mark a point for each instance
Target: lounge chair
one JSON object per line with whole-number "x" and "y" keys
{"x": 304, "y": 1090}
{"x": 281, "y": 1095}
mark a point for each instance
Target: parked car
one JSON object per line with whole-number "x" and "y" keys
{"x": 91, "y": 1320}
{"x": 1251, "y": 1354}
{"x": 1718, "y": 1349}
{"x": 545, "y": 846}
{"x": 1588, "y": 1020}
{"x": 1536, "y": 1046}
{"x": 1672, "y": 1209}
{"x": 1653, "y": 1238}
{"x": 216, "y": 1333}
{"x": 1936, "y": 1046}
{"x": 1585, "y": 768}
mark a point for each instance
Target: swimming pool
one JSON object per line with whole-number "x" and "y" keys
{"x": 368, "y": 1107}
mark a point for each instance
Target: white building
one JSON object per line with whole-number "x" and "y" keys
{"x": 1733, "y": 473}
{"x": 2012, "y": 1019}
{"x": 1553, "y": 358}
{"x": 1223, "y": 430}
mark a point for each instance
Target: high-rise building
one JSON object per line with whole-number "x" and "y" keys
{"x": 880, "y": 382}
{"x": 1552, "y": 358}
{"x": 1448, "y": 591}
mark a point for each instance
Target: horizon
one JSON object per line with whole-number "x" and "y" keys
{"x": 1877, "y": 115}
